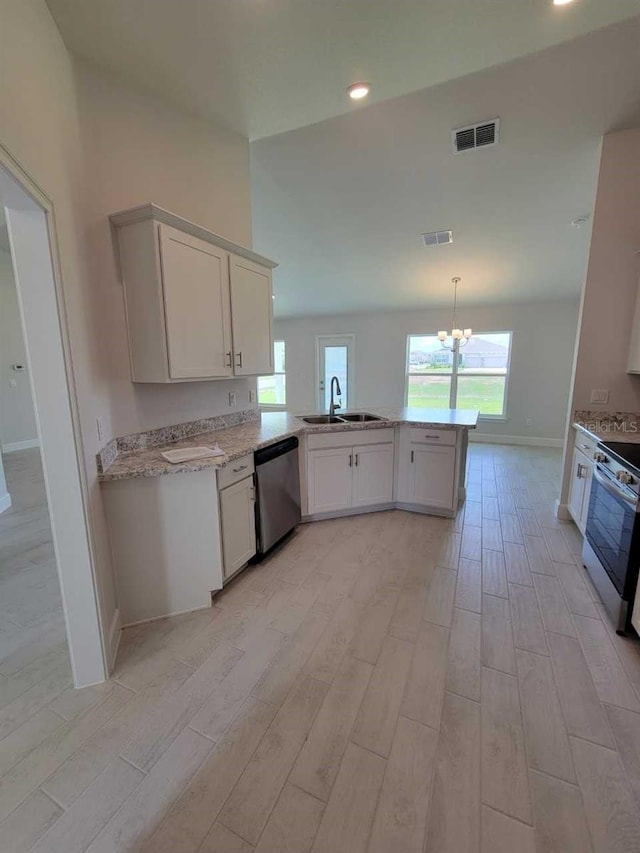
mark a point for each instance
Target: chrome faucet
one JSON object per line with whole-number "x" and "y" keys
{"x": 334, "y": 405}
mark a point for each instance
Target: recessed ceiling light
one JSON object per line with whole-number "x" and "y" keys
{"x": 579, "y": 221}
{"x": 358, "y": 90}
{"x": 561, "y": 2}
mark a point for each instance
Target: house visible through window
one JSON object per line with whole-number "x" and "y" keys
{"x": 483, "y": 373}
{"x": 272, "y": 390}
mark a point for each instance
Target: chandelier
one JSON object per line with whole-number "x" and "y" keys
{"x": 459, "y": 337}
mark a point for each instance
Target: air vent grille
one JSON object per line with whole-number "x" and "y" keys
{"x": 482, "y": 135}
{"x": 437, "y": 238}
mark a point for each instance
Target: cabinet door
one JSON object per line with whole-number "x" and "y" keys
{"x": 372, "y": 474}
{"x": 329, "y": 474}
{"x": 576, "y": 489}
{"x": 237, "y": 520}
{"x": 432, "y": 475}
{"x": 251, "y": 313}
{"x": 195, "y": 279}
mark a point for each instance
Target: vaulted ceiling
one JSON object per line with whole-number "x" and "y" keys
{"x": 342, "y": 192}
{"x": 266, "y": 66}
{"x": 342, "y": 204}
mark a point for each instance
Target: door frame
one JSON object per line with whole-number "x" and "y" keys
{"x": 31, "y": 223}
{"x": 340, "y": 339}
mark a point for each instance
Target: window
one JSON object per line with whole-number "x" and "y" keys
{"x": 482, "y": 372}
{"x": 272, "y": 390}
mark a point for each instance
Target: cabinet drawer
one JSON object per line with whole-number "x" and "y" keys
{"x": 349, "y": 438}
{"x": 235, "y": 471}
{"x": 434, "y": 436}
{"x": 585, "y": 444}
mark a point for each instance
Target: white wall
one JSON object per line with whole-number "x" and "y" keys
{"x": 95, "y": 148}
{"x": 17, "y": 419}
{"x": 543, "y": 342}
{"x": 40, "y": 127}
{"x": 137, "y": 150}
{"x": 613, "y": 277}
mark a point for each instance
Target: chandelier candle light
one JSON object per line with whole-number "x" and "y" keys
{"x": 459, "y": 339}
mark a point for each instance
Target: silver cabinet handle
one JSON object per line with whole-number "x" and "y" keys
{"x": 241, "y": 468}
{"x": 350, "y": 460}
{"x": 356, "y": 460}
{"x": 239, "y": 357}
{"x": 412, "y": 455}
{"x": 430, "y": 435}
{"x": 229, "y": 362}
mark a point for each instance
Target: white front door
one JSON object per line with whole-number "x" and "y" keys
{"x": 335, "y": 357}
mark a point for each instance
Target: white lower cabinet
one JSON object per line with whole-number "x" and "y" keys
{"x": 357, "y": 475}
{"x": 580, "y": 486}
{"x": 432, "y": 475}
{"x": 330, "y": 475}
{"x": 372, "y": 474}
{"x": 237, "y": 524}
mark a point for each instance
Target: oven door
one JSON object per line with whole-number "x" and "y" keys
{"x": 610, "y": 524}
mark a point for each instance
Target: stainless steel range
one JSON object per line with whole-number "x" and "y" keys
{"x": 611, "y": 552}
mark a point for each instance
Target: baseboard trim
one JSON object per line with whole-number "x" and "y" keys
{"x": 5, "y": 502}
{"x": 115, "y": 633}
{"x": 14, "y": 446}
{"x": 365, "y": 510}
{"x": 526, "y": 440}
{"x": 563, "y": 513}
{"x": 344, "y": 513}
{"x": 168, "y": 615}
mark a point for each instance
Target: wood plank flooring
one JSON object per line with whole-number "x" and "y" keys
{"x": 384, "y": 682}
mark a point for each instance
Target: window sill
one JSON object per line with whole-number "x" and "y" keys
{"x": 502, "y": 418}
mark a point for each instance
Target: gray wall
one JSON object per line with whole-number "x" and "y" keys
{"x": 543, "y": 342}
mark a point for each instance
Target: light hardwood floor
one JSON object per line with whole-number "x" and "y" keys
{"x": 389, "y": 682}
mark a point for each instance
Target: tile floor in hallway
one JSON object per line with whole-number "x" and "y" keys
{"x": 389, "y": 682}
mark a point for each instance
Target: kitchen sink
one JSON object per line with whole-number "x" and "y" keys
{"x": 361, "y": 417}
{"x": 322, "y": 419}
{"x": 353, "y": 417}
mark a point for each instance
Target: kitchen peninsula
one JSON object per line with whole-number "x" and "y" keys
{"x": 165, "y": 521}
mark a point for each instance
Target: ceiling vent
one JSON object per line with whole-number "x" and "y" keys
{"x": 482, "y": 135}
{"x": 437, "y": 238}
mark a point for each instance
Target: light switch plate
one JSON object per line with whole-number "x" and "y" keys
{"x": 253, "y": 396}
{"x": 232, "y": 398}
{"x": 601, "y": 396}
{"x": 100, "y": 429}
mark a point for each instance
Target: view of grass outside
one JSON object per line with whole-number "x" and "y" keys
{"x": 485, "y": 393}
{"x": 482, "y": 373}
{"x": 272, "y": 390}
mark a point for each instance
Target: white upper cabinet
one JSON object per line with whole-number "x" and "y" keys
{"x": 197, "y": 305}
{"x": 251, "y": 310}
{"x": 195, "y": 278}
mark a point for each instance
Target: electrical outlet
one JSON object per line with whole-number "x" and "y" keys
{"x": 100, "y": 429}
{"x": 13, "y": 383}
{"x": 599, "y": 396}
{"x": 253, "y": 396}
{"x": 232, "y": 398}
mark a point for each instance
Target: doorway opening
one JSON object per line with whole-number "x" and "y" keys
{"x": 46, "y": 528}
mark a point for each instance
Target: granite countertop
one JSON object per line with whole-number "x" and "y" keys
{"x": 237, "y": 441}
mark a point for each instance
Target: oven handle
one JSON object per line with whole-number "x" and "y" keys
{"x": 608, "y": 485}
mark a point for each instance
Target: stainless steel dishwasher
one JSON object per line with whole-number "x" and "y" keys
{"x": 278, "y": 488}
